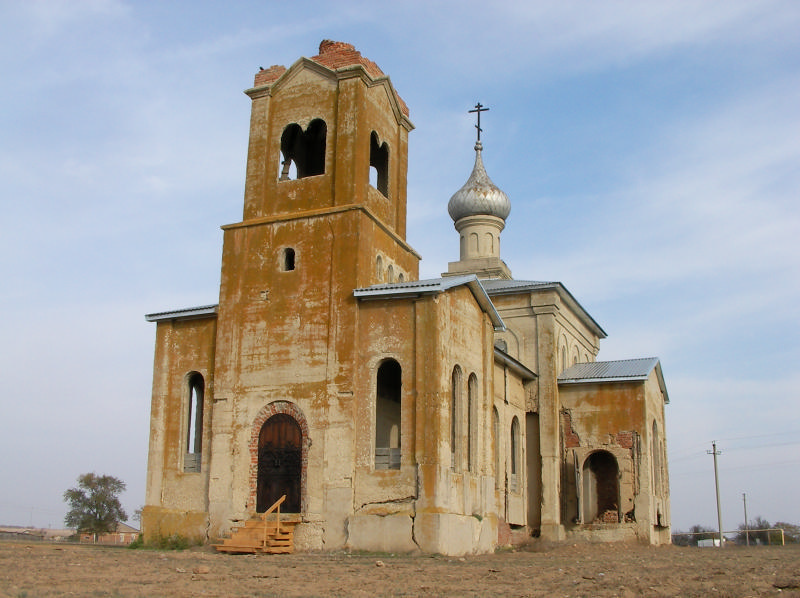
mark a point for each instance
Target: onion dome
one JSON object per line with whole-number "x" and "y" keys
{"x": 479, "y": 196}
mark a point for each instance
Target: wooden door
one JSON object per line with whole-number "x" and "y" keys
{"x": 280, "y": 463}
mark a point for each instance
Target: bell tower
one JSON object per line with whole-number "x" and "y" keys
{"x": 327, "y": 132}
{"x": 324, "y": 213}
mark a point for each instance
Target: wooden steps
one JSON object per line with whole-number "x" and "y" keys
{"x": 264, "y": 535}
{"x": 256, "y": 536}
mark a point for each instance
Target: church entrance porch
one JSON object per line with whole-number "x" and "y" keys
{"x": 601, "y": 488}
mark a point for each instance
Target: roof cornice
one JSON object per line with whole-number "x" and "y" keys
{"x": 189, "y": 313}
{"x": 514, "y": 365}
{"x": 563, "y": 293}
{"x": 318, "y": 213}
{"x": 340, "y": 74}
{"x": 434, "y": 286}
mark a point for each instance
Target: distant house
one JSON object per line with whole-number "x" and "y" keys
{"x": 34, "y": 533}
{"x": 123, "y": 534}
{"x": 20, "y": 533}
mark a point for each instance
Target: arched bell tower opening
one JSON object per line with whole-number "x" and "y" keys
{"x": 303, "y": 152}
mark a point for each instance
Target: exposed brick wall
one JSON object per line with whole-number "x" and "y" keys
{"x": 334, "y": 55}
{"x": 270, "y": 75}
{"x": 571, "y": 439}
{"x": 503, "y": 533}
{"x": 625, "y": 439}
{"x": 266, "y": 412}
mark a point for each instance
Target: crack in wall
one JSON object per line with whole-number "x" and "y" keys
{"x": 389, "y": 501}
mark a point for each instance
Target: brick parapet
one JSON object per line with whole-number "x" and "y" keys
{"x": 333, "y": 55}
{"x": 270, "y": 75}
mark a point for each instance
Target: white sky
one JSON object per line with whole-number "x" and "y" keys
{"x": 651, "y": 151}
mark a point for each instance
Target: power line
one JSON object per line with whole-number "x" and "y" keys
{"x": 770, "y": 435}
{"x": 758, "y": 446}
{"x": 677, "y": 474}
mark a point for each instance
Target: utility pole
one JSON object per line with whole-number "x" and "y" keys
{"x": 746, "y": 527}
{"x": 715, "y": 452}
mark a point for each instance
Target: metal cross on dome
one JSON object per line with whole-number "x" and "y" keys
{"x": 479, "y": 108}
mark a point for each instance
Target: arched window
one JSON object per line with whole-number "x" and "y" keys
{"x": 473, "y": 243}
{"x": 472, "y": 423}
{"x": 600, "y": 488}
{"x": 388, "y": 384}
{"x": 379, "y": 164}
{"x": 498, "y": 477}
{"x": 287, "y": 263}
{"x": 303, "y": 152}
{"x": 390, "y": 274}
{"x": 194, "y": 428}
{"x": 514, "y": 456}
{"x": 379, "y": 268}
{"x": 455, "y": 418}
{"x": 655, "y": 459}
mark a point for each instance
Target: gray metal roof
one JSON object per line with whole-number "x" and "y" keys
{"x": 183, "y": 314}
{"x": 499, "y": 286}
{"x": 433, "y": 286}
{"x": 514, "y": 365}
{"x": 625, "y": 370}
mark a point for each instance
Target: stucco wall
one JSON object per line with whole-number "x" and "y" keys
{"x": 182, "y": 347}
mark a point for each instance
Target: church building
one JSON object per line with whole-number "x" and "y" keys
{"x": 451, "y": 415}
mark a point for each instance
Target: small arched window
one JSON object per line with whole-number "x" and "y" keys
{"x": 287, "y": 263}
{"x": 379, "y": 268}
{"x": 473, "y": 243}
{"x": 514, "y": 446}
{"x": 390, "y": 274}
{"x": 194, "y": 428}
{"x": 514, "y": 457}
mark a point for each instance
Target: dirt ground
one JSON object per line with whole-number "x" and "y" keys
{"x": 29, "y": 570}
